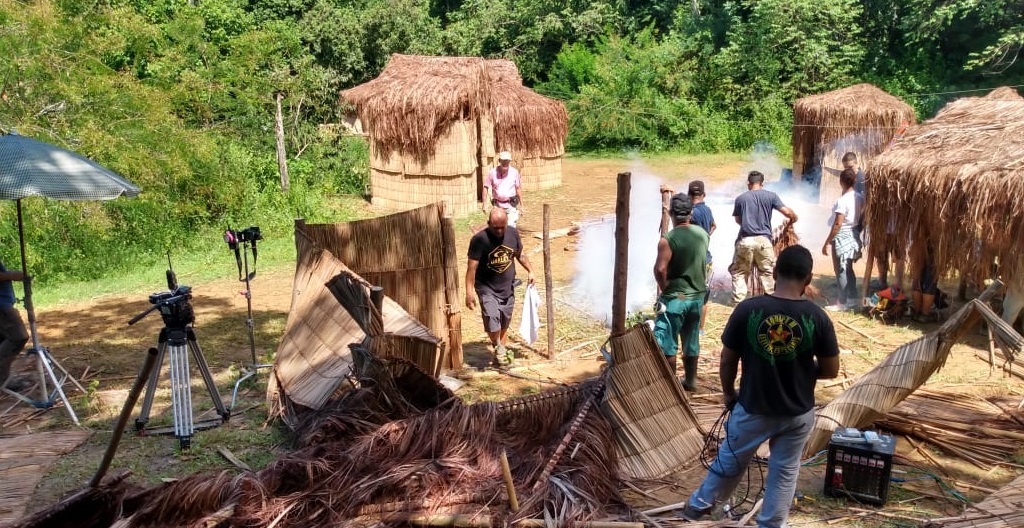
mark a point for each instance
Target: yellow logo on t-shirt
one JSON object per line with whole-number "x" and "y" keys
{"x": 500, "y": 259}
{"x": 780, "y": 336}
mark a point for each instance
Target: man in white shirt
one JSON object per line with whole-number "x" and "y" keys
{"x": 843, "y": 241}
{"x": 503, "y": 188}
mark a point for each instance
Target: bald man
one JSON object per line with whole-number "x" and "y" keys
{"x": 490, "y": 273}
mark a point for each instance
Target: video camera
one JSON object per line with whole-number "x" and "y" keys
{"x": 247, "y": 236}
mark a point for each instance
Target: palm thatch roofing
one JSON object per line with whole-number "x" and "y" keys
{"x": 415, "y": 100}
{"x": 955, "y": 183}
{"x": 862, "y": 111}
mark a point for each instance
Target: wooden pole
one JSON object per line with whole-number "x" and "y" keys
{"x": 376, "y": 310}
{"x": 549, "y": 296}
{"x": 666, "y": 218}
{"x": 541, "y": 523}
{"x": 621, "y": 254}
{"x": 510, "y": 487}
{"x": 126, "y": 412}
{"x": 282, "y": 158}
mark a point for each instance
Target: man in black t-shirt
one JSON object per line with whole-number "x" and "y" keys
{"x": 784, "y": 343}
{"x": 490, "y": 273}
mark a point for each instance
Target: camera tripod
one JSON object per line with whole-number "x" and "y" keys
{"x": 177, "y": 338}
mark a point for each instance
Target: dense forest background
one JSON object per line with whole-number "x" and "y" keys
{"x": 179, "y": 96}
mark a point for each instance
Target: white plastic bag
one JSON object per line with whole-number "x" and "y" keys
{"x": 530, "y": 324}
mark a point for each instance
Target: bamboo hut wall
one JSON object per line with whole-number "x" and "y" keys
{"x": 314, "y": 357}
{"x": 405, "y": 254}
{"x": 541, "y": 173}
{"x": 656, "y": 431}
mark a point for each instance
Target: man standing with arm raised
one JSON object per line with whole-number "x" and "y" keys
{"x": 753, "y": 212}
{"x": 784, "y": 343}
{"x": 490, "y": 273}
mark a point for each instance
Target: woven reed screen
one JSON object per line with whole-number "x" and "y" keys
{"x": 656, "y": 431}
{"x": 314, "y": 357}
{"x": 401, "y": 181}
{"x": 541, "y": 172}
{"x": 412, "y": 256}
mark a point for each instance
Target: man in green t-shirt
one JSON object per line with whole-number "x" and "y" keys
{"x": 681, "y": 273}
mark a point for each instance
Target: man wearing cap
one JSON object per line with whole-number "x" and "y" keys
{"x": 681, "y": 275}
{"x": 503, "y": 188}
{"x": 490, "y": 273}
{"x": 703, "y": 217}
{"x": 753, "y": 212}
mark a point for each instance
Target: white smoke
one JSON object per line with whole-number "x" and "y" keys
{"x": 595, "y": 260}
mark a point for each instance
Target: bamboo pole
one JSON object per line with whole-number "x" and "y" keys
{"x": 549, "y": 282}
{"x": 541, "y": 523}
{"x": 510, "y": 487}
{"x": 869, "y": 266}
{"x": 666, "y": 202}
{"x": 621, "y": 254}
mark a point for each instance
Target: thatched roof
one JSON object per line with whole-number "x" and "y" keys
{"x": 1004, "y": 93}
{"x": 416, "y": 98}
{"x": 956, "y": 182}
{"x": 862, "y": 113}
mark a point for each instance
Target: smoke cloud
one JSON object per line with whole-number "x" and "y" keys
{"x": 593, "y": 283}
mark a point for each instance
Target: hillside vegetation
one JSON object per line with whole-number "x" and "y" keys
{"x": 179, "y": 96}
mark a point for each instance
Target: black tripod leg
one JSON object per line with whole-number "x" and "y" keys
{"x": 204, "y": 369}
{"x": 147, "y": 400}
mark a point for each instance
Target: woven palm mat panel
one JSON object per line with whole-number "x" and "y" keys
{"x": 656, "y": 431}
{"x": 23, "y": 462}
{"x": 1002, "y": 509}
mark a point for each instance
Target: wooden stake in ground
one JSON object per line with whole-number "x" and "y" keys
{"x": 282, "y": 158}
{"x": 548, "y": 282}
{"x": 621, "y": 254}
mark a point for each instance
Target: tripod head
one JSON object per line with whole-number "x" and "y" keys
{"x": 174, "y": 304}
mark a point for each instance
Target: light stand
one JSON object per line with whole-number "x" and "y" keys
{"x": 250, "y": 326}
{"x": 46, "y": 366}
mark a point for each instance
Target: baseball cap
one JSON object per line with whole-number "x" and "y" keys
{"x": 505, "y": 156}
{"x": 681, "y": 205}
{"x": 695, "y": 187}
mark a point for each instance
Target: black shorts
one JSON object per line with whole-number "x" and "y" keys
{"x": 496, "y": 312}
{"x": 928, "y": 282}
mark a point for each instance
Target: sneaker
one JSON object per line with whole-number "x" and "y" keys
{"x": 691, "y": 513}
{"x": 501, "y": 355}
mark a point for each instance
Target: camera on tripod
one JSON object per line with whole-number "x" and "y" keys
{"x": 249, "y": 234}
{"x": 175, "y": 308}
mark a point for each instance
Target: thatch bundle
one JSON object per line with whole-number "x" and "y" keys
{"x": 955, "y": 183}
{"x": 861, "y": 119}
{"x": 415, "y": 100}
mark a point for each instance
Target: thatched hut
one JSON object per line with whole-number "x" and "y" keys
{"x": 861, "y": 119}
{"x": 435, "y": 125}
{"x": 955, "y": 182}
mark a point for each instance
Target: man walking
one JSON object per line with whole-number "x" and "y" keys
{"x": 753, "y": 212}
{"x": 703, "y": 217}
{"x": 785, "y": 343}
{"x": 490, "y": 273}
{"x": 504, "y": 188}
{"x": 13, "y": 335}
{"x": 680, "y": 272}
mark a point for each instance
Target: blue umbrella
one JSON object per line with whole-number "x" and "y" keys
{"x": 34, "y": 168}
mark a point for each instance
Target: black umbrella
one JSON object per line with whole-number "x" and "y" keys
{"x": 34, "y": 168}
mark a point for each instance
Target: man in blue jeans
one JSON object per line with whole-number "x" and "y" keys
{"x": 785, "y": 343}
{"x": 681, "y": 275}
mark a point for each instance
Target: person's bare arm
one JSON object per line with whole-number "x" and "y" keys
{"x": 485, "y": 205}
{"x": 525, "y": 261}
{"x": 12, "y": 275}
{"x": 519, "y": 194}
{"x": 713, "y": 227}
{"x": 832, "y": 234}
{"x": 788, "y": 213}
{"x": 727, "y": 369}
{"x": 828, "y": 367}
{"x": 470, "y": 279}
{"x": 661, "y": 264}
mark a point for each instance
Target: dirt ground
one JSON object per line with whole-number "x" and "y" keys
{"x": 93, "y": 342}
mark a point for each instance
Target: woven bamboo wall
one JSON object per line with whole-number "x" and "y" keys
{"x": 656, "y": 431}
{"x": 405, "y": 254}
{"x": 314, "y": 354}
{"x": 400, "y": 182}
{"x": 541, "y": 172}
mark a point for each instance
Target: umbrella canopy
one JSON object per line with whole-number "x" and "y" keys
{"x": 34, "y": 168}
